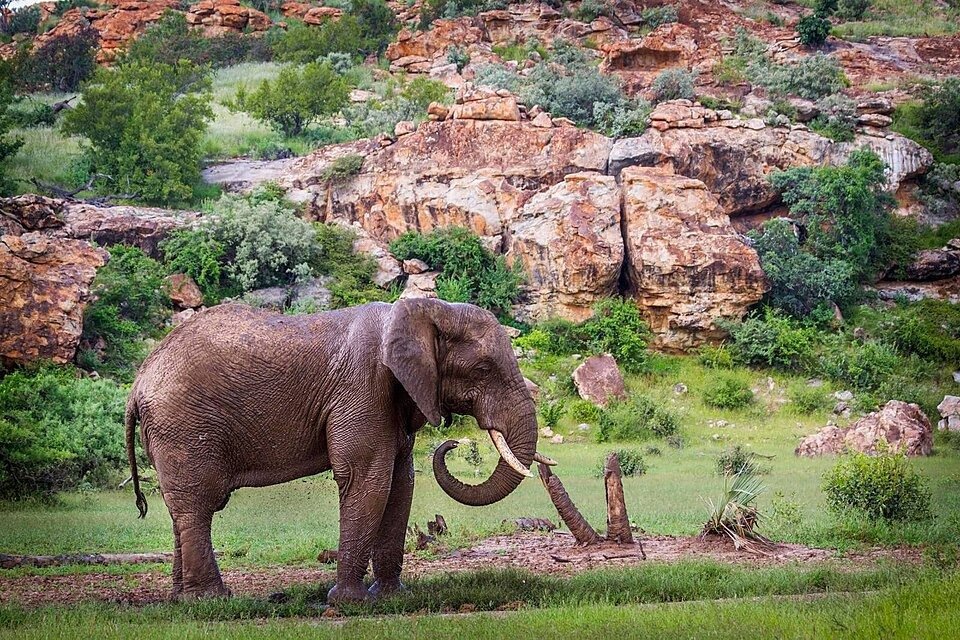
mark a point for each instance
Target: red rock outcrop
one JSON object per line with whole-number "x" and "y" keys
{"x": 309, "y": 13}
{"x": 900, "y": 426}
{"x": 686, "y": 265}
{"x": 44, "y": 285}
{"x": 217, "y": 17}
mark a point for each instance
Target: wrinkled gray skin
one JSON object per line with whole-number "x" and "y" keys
{"x": 238, "y": 397}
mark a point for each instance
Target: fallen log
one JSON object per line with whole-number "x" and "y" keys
{"x": 582, "y": 532}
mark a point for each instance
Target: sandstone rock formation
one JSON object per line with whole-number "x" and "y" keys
{"x": 949, "y": 409}
{"x": 183, "y": 291}
{"x": 44, "y": 285}
{"x": 217, "y": 17}
{"x": 686, "y": 266}
{"x": 599, "y": 380}
{"x": 935, "y": 264}
{"x": 899, "y": 425}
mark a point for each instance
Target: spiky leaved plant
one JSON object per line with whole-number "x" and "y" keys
{"x": 735, "y": 514}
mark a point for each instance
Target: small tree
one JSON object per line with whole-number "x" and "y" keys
{"x": 939, "y": 115}
{"x": 8, "y": 145}
{"x": 61, "y": 63}
{"x": 145, "y": 123}
{"x": 297, "y": 97}
{"x": 813, "y": 29}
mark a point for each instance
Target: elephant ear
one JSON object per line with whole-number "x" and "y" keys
{"x": 410, "y": 352}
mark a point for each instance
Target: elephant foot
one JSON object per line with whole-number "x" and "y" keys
{"x": 341, "y": 593}
{"x": 383, "y": 588}
{"x": 200, "y": 593}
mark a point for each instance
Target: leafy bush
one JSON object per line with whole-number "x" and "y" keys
{"x": 632, "y": 463}
{"x": 297, "y": 98}
{"x": 551, "y": 411}
{"x": 459, "y": 57}
{"x": 813, "y": 29}
{"x": 480, "y": 277}
{"x": 653, "y": 17}
{"x": 813, "y": 77}
{"x": 715, "y": 357}
{"x": 938, "y": 115}
{"x": 773, "y": 340}
{"x": 853, "y": 9}
{"x": 352, "y": 272}
{"x": 57, "y": 431}
{"x": 929, "y": 329}
{"x": 806, "y": 399}
{"x": 8, "y": 145}
{"x": 171, "y": 39}
{"x": 584, "y": 411}
{"x": 410, "y": 102}
{"x": 342, "y": 168}
{"x": 881, "y": 487}
{"x": 129, "y": 305}
{"x": 24, "y": 20}
{"x": 673, "y": 84}
{"x": 865, "y": 367}
{"x": 62, "y": 63}
{"x": 837, "y": 119}
{"x": 366, "y": 28}
{"x": 590, "y": 10}
{"x": 431, "y": 10}
{"x": 618, "y": 329}
{"x": 197, "y": 253}
{"x": 145, "y": 123}
{"x": 736, "y": 459}
{"x": 728, "y": 392}
{"x": 621, "y": 120}
{"x": 639, "y": 418}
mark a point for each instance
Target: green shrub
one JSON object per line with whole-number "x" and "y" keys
{"x": 773, "y": 340}
{"x": 145, "y": 123}
{"x": 551, "y": 411}
{"x": 431, "y": 10}
{"x": 638, "y": 418}
{"x": 24, "y": 20}
{"x": 632, "y": 464}
{"x": 736, "y": 459}
{"x": 584, "y": 411}
{"x": 853, "y": 9}
{"x": 459, "y": 57}
{"x": 812, "y": 78}
{"x": 673, "y": 84}
{"x": 881, "y": 487}
{"x": 715, "y": 357}
{"x": 863, "y": 366}
{"x": 57, "y": 431}
{"x": 621, "y": 120}
{"x": 653, "y": 17}
{"x": 728, "y": 392}
{"x": 297, "y": 98}
{"x": 618, "y": 329}
{"x": 929, "y": 329}
{"x": 197, "y": 253}
{"x": 342, "y": 168}
{"x": 352, "y": 272}
{"x": 366, "y": 28}
{"x": 130, "y": 304}
{"x": 555, "y": 337}
{"x": 938, "y": 115}
{"x": 813, "y": 29}
{"x": 837, "y": 119}
{"x": 61, "y": 63}
{"x": 806, "y": 399}
{"x": 465, "y": 266}
{"x": 8, "y": 145}
{"x": 410, "y": 102}
{"x": 590, "y": 10}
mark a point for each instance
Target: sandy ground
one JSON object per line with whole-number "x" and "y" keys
{"x": 552, "y": 554}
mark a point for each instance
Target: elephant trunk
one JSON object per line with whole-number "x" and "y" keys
{"x": 521, "y": 438}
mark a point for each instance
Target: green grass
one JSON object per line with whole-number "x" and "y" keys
{"x": 46, "y": 155}
{"x": 903, "y": 19}
{"x": 921, "y": 609}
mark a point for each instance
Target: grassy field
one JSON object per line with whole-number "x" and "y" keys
{"x": 905, "y": 19}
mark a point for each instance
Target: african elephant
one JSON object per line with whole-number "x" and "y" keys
{"x": 238, "y": 397}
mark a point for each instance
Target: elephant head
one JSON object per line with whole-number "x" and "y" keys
{"x": 456, "y": 358}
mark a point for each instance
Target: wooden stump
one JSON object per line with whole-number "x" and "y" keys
{"x": 582, "y": 532}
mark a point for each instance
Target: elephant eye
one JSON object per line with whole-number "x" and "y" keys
{"x": 483, "y": 368}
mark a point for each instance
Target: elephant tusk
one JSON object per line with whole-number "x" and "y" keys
{"x": 504, "y": 450}
{"x": 539, "y": 457}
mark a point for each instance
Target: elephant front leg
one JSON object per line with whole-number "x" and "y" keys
{"x": 363, "y": 497}
{"x": 388, "y": 546}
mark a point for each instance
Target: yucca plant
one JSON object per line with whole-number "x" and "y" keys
{"x": 735, "y": 515}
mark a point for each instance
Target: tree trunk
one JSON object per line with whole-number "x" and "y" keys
{"x": 582, "y": 532}
{"x": 618, "y": 523}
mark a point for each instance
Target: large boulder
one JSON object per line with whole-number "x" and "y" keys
{"x": 949, "y": 409}
{"x": 44, "y": 286}
{"x": 686, "y": 266}
{"x": 599, "y": 381}
{"x": 567, "y": 239}
{"x": 900, "y": 426}
{"x": 935, "y": 264}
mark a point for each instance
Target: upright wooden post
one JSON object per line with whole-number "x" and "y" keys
{"x": 618, "y": 523}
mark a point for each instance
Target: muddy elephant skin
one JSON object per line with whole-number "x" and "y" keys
{"x": 238, "y": 397}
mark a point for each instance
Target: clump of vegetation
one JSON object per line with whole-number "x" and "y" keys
{"x": 728, "y": 392}
{"x": 736, "y": 459}
{"x": 353, "y": 273}
{"x": 551, "y": 410}
{"x": 773, "y": 340}
{"x": 365, "y": 28}
{"x": 938, "y": 115}
{"x": 853, "y": 9}
{"x": 145, "y": 123}
{"x": 590, "y": 10}
{"x": 653, "y": 17}
{"x": 715, "y": 356}
{"x": 459, "y": 57}
{"x": 59, "y": 64}
{"x": 469, "y": 272}
{"x": 812, "y": 78}
{"x": 806, "y": 399}
{"x": 632, "y": 464}
{"x": 813, "y": 29}
{"x": 673, "y": 84}
{"x": 342, "y": 168}
{"x": 639, "y": 418}
{"x": 435, "y": 9}
{"x": 881, "y": 487}
{"x": 844, "y": 223}
{"x": 837, "y": 119}
{"x": 58, "y": 431}
{"x": 408, "y": 101}
{"x": 735, "y": 515}
{"x": 297, "y": 98}
{"x": 130, "y": 305}
{"x": 8, "y": 145}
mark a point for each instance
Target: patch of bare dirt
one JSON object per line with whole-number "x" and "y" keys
{"x": 552, "y": 554}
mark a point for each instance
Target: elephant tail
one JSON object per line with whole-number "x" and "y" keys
{"x": 130, "y": 417}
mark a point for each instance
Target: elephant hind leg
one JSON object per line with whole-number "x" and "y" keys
{"x": 199, "y": 573}
{"x": 177, "y": 592}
